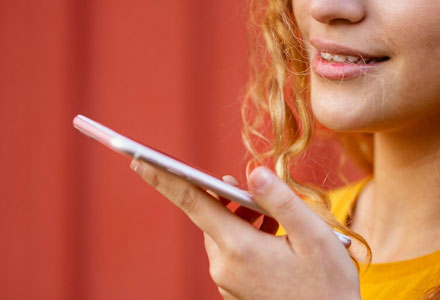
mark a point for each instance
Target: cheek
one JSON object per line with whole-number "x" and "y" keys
{"x": 408, "y": 89}
{"x": 302, "y": 17}
{"x": 393, "y": 99}
{"x": 415, "y": 94}
{"x": 413, "y": 29}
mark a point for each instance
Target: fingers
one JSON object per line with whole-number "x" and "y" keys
{"x": 227, "y": 295}
{"x": 269, "y": 225}
{"x": 211, "y": 247}
{"x": 224, "y": 201}
{"x": 232, "y": 181}
{"x": 204, "y": 210}
{"x": 303, "y": 226}
{"x": 246, "y": 214}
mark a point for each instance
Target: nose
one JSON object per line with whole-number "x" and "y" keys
{"x": 332, "y": 11}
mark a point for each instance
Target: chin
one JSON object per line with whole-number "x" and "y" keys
{"x": 343, "y": 115}
{"x": 340, "y": 125}
{"x": 354, "y": 121}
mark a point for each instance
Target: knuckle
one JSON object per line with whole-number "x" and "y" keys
{"x": 239, "y": 250}
{"x": 219, "y": 272}
{"x": 186, "y": 199}
{"x": 151, "y": 176}
{"x": 155, "y": 180}
{"x": 286, "y": 205}
{"x": 224, "y": 293}
{"x": 320, "y": 237}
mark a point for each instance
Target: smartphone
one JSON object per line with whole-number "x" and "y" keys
{"x": 133, "y": 149}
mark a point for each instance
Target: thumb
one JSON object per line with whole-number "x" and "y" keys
{"x": 302, "y": 225}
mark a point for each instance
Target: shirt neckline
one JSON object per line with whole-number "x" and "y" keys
{"x": 395, "y": 269}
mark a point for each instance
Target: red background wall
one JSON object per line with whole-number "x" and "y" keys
{"x": 75, "y": 221}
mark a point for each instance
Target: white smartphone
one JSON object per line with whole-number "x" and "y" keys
{"x": 133, "y": 149}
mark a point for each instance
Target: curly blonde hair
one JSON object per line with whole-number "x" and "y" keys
{"x": 277, "y": 121}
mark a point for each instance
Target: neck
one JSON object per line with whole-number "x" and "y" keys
{"x": 398, "y": 213}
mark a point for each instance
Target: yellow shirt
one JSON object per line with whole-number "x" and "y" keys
{"x": 408, "y": 279}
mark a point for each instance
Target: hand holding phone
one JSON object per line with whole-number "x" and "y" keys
{"x": 133, "y": 149}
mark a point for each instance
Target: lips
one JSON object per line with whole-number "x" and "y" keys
{"x": 337, "y": 62}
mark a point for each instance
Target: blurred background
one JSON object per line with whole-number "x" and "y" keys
{"x": 75, "y": 221}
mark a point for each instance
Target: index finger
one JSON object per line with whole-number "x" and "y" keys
{"x": 205, "y": 212}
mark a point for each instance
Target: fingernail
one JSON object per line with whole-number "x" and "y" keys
{"x": 136, "y": 166}
{"x": 230, "y": 179}
{"x": 260, "y": 178}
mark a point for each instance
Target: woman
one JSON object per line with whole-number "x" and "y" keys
{"x": 371, "y": 70}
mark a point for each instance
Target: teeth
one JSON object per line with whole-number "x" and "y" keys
{"x": 340, "y": 58}
{"x": 352, "y": 59}
{"x": 326, "y": 56}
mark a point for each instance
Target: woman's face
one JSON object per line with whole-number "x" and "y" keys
{"x": 375, "y": 63}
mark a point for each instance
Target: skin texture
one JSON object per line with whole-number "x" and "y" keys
{"x": 247, "y": 263}
{"x": 399, "y": 212}
{"x": 389, "y": 98}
